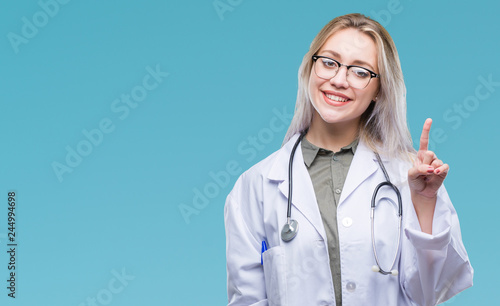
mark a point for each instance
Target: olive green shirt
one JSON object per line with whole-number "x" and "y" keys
{"x": 328, "y": 171}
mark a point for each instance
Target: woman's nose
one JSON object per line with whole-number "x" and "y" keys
{"x": 340, "y": 79}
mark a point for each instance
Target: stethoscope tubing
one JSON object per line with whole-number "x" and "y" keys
{"x": 290, "y": 184}
{"x": 290, "y": 229}
{"x": 372, "y": 218}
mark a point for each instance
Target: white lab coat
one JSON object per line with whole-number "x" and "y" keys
{"x": 432, "y": 268}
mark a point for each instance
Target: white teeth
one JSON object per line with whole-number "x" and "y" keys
{"x": 335, "y": 98}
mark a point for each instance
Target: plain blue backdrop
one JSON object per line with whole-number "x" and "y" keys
{"x": 101, "y": 181}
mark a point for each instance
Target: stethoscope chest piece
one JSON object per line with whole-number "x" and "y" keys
{"x": 289, "y": 230}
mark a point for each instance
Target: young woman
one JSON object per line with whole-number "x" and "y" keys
{"x": 346, "y": 211}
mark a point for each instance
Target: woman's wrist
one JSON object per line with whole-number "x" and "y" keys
{"x": 424, "y": 208}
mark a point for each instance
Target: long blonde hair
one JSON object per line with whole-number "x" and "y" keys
{"x": 383, "y": 126}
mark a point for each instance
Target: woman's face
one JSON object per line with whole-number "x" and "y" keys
{"x": 334, "y": 100}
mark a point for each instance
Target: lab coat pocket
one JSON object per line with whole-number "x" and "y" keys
{"x": 275, "y": 275}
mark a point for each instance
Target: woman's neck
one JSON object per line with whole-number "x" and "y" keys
{"x": 331, "y": 136}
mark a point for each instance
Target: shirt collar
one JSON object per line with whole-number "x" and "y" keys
{"x": 310, "y": 151}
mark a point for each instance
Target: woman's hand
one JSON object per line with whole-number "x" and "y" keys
{"x": 425, "y": 178}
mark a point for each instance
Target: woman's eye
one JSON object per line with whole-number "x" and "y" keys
{"x": 360, "y": 73}
{"x": 329, "y": 64}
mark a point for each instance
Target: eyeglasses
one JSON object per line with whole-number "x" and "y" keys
{"x": 357, "y": 76}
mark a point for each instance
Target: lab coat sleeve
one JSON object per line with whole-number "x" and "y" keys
{"x": 245, "y": 275}
{"x": 436, "y": 267}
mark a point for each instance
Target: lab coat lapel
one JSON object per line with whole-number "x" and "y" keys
{"x": 363, "y": 165}
{"x": 303, "y": 196}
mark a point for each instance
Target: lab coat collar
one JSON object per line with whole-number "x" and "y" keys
{"x": 303, "y": 197}
{"x": 364, "y": 165}
{"x": 279, "y": 172}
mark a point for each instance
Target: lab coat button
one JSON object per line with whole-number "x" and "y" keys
{"x": 350, "y": 286}
{"x": 338, "y": 191}
{"x": 346, "y": 222}
{"x": 319, "y": 244}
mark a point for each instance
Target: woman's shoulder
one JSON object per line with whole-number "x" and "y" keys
{"x": 252, "y": 180}
{"x": 268, "y": 168}
{"x": 262, "y": 168}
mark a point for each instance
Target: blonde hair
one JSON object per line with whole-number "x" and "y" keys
{"x": 383, "y": 126}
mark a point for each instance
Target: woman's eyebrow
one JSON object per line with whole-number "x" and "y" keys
{"x": 355, "y": 62}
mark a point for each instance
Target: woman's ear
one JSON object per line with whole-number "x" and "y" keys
{"x": 376, "y": 95}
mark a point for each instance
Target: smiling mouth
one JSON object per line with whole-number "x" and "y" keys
{"x": 336, "y": 98}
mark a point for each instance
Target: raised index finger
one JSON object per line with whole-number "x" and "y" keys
{"x": 424, "y": 138}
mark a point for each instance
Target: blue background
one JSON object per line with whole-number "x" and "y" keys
{"x": 118, "y": 211}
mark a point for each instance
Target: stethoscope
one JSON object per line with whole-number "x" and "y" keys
{"x": 291, "y": 226}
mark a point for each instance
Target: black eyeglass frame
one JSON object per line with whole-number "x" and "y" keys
{"x": 372, "y": 74}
